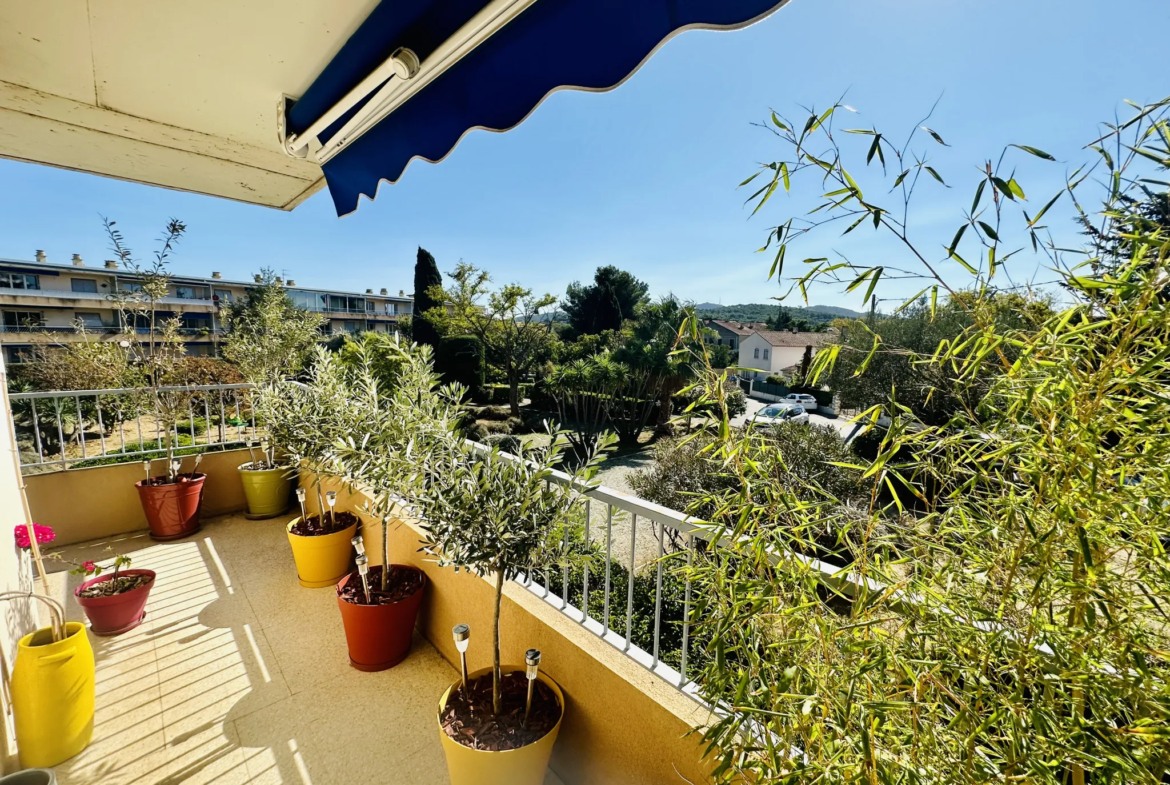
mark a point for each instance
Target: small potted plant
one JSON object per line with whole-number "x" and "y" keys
{"x": 269, "y": 339}
{"x": 499, "y": 516}
{"x": 113, "y": 602}
{"x": 170, "y": 501}
{"x": 267, "y": 482}
{"x": 379, "y": 608}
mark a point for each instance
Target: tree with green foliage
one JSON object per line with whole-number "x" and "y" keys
{"x": 460, "y": 359}
{"x": 268, "y": 337}
{"x": 506, "y": 321}
{"x": 655, "y": 346}
{"x": 428, "y": 283}
{"x": 607, "y": 303}
{"x": 1011, "y": 626}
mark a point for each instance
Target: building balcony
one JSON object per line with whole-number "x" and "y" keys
{"x": 53, "y": 334}
{"x": 62, "y": 298}
{"x": 240, "y": 675}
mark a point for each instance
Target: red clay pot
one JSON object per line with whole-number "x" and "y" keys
{"x": 117, "y": 613}
{"x": 379, "y": 635}
{"x": 172, "y": 510}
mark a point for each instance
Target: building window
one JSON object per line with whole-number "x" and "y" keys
{"x": 188, "y": 292}
{"x": 20, "y": 281}
{"x": 130, "y": 286}
{"x": 733, "y": 343}
{"x": 90, "y": 321}
{"x": 369, "y": 306}
{"x": 756, "y": 356}
{"x": 87, "y": 285}
{"x": 18, "y": 319}
{"x": 223, "y": 295}
{"x": 765, "y": 354}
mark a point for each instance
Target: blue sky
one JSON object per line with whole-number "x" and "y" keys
{"x": 645, "y": 177}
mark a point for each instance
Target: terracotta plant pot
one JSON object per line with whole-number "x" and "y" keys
{"x": 172, "y": 509}
{"x": 321, "y": 560}
{"x": 267, "y": 490}
{"x": 379, "y": 636}
{"x": 525, "y": 766}
{"x": 53, "y": 695}
{"x": 117, "y": 613}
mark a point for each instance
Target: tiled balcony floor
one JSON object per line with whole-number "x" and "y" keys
{"x": 240, "y": 675}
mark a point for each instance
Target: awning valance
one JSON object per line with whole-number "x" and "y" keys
{"x": 416, "y": 76}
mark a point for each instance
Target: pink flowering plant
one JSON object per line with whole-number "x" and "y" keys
{"x": 44, "y": 534}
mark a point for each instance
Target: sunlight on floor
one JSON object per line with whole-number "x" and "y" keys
{"x": 240, "y": 675}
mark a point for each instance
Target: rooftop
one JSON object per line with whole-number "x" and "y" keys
{"x": 793, "y": 339}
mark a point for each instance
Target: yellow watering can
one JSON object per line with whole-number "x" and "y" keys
{"x": 52, "y": 689}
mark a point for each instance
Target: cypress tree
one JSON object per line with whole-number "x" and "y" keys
{"x": 426, "y": 276}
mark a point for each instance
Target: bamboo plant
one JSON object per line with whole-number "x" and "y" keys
{"x": 1017, "y": 630}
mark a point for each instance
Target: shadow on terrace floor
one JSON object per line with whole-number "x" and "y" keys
{"x": 240, "y": 675}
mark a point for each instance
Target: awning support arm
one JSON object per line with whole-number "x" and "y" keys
{"x": 403, "y": 64}
{"x": 393, "y": 93}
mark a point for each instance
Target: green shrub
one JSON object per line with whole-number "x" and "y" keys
{"x": 460, "y": 359}
{"x": 506, "y": 442}
{"x": 500, "y": 413}
{"x": 494, "y": 426}
{"x": 183, "y": 446}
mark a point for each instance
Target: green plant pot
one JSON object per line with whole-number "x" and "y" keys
{"x": 267, "y": 491}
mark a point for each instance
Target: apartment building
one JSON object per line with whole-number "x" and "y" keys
{"x": 43, "y": 302}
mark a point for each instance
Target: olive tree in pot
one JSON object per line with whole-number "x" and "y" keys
{"x": 171, "y": 501}
{"x": 388, "y": 418}
{"x": 309, "y": 419}
{"x": 500, "y": 516}
{"x": 269, "y": 339}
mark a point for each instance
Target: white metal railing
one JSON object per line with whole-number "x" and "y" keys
{"x": 70, "y": 428}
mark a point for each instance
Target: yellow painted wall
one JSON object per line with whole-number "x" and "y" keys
{"x": 87, "y": 504}
{"x": 622, "y": 724}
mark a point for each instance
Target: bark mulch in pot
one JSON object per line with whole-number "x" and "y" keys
{"x": 402, "y": 583}
{"x": 114, "y": 586}
{"x": 469, "y": 720}
{"x": 315, "y": 525}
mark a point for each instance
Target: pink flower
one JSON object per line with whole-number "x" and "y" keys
{"x": 44, "y": 534}
{"x": 88, "y": 567}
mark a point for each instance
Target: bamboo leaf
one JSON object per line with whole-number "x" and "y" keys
{"x": 1033, "y": 151}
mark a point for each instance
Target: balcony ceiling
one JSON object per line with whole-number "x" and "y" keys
{"x": 167, "y": 92}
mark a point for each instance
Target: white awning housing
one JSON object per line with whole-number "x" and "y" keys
{"x": 171, "y": 93}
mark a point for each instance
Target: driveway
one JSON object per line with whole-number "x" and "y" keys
{"x": 842, "y": 424}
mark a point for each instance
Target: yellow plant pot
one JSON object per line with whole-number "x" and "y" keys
{"x": 323, "y": 560}
{"x": 53, "y": 696}
{"x": 525, "y": 766}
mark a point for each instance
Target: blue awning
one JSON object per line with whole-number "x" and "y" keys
{"x": 553, "y": 44}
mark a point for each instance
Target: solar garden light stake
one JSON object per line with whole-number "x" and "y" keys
{"x": 301, "y": 500}
{"x": 252, "y": 453}
{"x": 385, "y": 552}
{"x": 462, "y": 635}
{"x": 146, "y": 468}
{"x": 175, "y": 466}
{"x": 266, "y": 452}
{"x": 363, "y": 565}
{"x": 331, "y": 497}
{"x": 532, "y": 660}
{"x": 358, "y": 544}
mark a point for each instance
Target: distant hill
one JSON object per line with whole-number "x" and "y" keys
{"x": 760, "y": 312}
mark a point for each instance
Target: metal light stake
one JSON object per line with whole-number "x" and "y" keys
{"x": 301, "y": 499}
{"x": 175, "y": 466}
{"x": 252, "y": 453}
{"x": 264, "y": 449}
{"x": 331, "y": 497}
{"x": 462, "y": 635}
{"x": 363, "y": 565}
{"x": 146, "y": 468}
{"x": 358, "y": 544}
{"x": 532, "y": 660}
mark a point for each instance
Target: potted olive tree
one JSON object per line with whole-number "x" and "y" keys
{"x": 308, "y": 420}
{"x": 390, "y": 416}
{"x": 500, "y": 516}
{"x": 171, "y": 500}
{"x": 269, "y": 339}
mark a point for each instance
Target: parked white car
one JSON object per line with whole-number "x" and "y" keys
{"x": 781, "y": 412}
{"x": 804, "y": 399}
